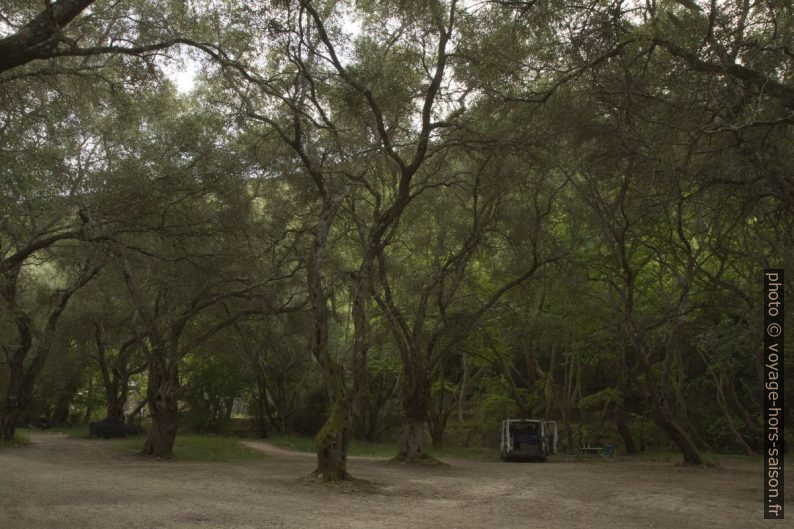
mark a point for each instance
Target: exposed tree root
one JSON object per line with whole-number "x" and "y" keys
{"x": 421, "y": 459}
{"x": 346, "y": 484}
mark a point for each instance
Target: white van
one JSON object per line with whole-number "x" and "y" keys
{"x": 528, "y": 439}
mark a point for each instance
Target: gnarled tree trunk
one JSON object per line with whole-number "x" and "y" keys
{"x": 12, "y": 407}
{"x": 619, "y": 413}
{"x": 14, "y": 401}
{"x": 334, "y": 437}
{"x": 60, "y": 412}
{"x": 410, "y": 444}
{"x": 624, "y": 431}
{"x": 115, "y": 408}
{"x": 415, "y": 399}
{"x": 163, "y": 406}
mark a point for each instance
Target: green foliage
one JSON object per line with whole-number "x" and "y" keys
{"x": 600, "y": 399}
{"x": 213, "y": 380}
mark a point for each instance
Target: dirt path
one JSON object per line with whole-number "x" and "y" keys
{"x": 59, "y": 482}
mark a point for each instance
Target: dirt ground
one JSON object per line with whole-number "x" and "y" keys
{"x": 59, "y": 482}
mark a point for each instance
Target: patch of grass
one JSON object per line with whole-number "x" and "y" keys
{"x": 202, "y": 448}
{"x": 363, "y": 448}
{"x": 383, "y": 450}
{"x": 77, "y": 431}
{"x": 300, "y": 443}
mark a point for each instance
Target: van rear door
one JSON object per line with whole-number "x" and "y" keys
{"x": 551, "y": 432}
{"x": 505, "y": 434}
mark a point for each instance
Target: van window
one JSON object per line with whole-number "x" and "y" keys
{"x": 525, "y": 427}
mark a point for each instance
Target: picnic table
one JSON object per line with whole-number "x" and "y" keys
{"x": 604, "y": 452}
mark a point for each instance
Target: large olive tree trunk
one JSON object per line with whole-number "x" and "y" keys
{"x": 334, "y": 436}
{"x": 114, "y": 408}
{"x": 13, "y": 405}
{"x": 162, "y": 395}
{"x": 60, "y": 412}
{"x": 415, "y": 399}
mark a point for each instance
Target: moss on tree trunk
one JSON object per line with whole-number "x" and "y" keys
{"x": 334, "y": 436}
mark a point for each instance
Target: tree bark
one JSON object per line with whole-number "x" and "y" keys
{"x": 415, "y": 403}
{"x": 437, "y": 426}
{"x": 14, "y": 401}
{"x": 755, "y": 431}
{"x": 437, "y": 421}
{"x": 89, "y": 399}
{"x": 464, "y": 382}
{"x": 262, "y": 412}
{"x": 719, "y": 382}
{"x": 115, "y": 377}
{"x": 13, "y": 405}
{"x": 163, "y": 406}
{"x": 115, "y": 408}
{"x": 41, "y": 35}
{"x": 410, "y": 444}
{"x": 10, "y": 418}
{"x": 624, "y": 431}
{"x": 619, "y": 415}
{"x": 60, "y": 413}
{"x": 438, "y": 414}
{"x": 334, "y": 437}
